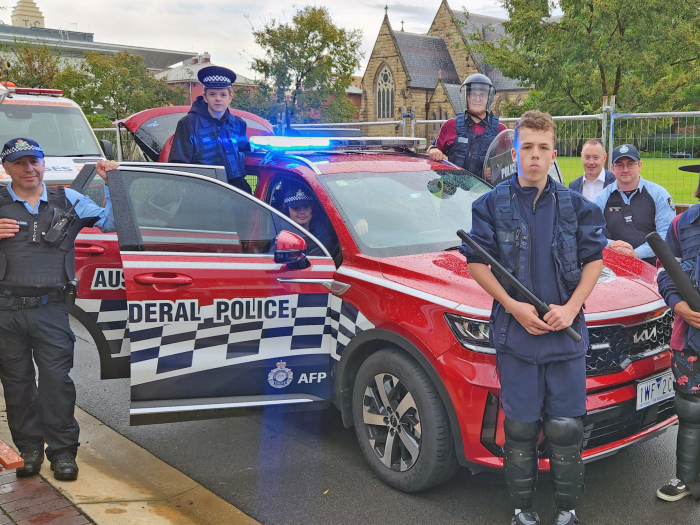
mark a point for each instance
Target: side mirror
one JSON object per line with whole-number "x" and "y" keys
{"x": 291, "y": 249}
{"x": 107, "y": 149}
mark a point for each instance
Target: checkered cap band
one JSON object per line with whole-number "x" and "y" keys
{"x": 24, "y": 146}
{"x": 216, "y": 78}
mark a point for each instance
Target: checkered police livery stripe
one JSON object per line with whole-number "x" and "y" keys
{"x": 111, "y": 316}
{"x": 345, "y": 323}
{"x": 300, "y": 325}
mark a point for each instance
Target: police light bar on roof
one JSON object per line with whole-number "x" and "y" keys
{"x": 272, "y": 143}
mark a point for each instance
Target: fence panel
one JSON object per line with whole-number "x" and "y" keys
{"x": 665, "y": 141}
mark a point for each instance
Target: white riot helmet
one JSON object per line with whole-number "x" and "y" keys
{"x": 481, "y": 84}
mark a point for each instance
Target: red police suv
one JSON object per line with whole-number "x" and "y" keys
{"x": 204, "y": 298}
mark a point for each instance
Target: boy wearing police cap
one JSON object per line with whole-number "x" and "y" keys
{"x": 209, "y": 134}
{"x": 37, "y": 265}
{"x": 683, "y": 238}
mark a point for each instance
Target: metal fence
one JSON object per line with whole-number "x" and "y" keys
{"x": 666, "y": 141}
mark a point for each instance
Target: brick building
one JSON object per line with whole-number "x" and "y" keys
{"x": 426, "y": 71}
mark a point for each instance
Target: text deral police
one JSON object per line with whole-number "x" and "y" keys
{"x": 225, "y": 310}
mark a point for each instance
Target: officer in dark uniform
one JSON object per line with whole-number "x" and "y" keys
{"x": 683, "y": 238}
{"x": 209, "y": 134}
{"x": 37, "y": 266}
{"x": 300, "y": 206}
{"x": 466, "y": 139}
{"x": 634, "y": 207}
{"x": 551, "y": 239}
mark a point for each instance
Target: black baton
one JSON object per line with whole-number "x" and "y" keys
{"x": 675, "y": 271}
{"x": 540, "y": 306}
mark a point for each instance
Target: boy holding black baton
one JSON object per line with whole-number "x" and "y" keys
{"x": 551, "y": 239}
{"x": 683, "y": 239}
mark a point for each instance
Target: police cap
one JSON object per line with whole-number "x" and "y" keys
{"x": 16, "y": 148}
{"x": 693, "y": 168}
{"x": 298, "y": 197}
{"x": 215, "y": 77}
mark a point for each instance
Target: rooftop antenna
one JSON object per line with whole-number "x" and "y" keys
{"x": 401, "y": 25}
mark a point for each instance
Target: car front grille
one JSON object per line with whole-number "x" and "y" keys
{"x": 605, "y": 426}
{"x": 612, "y": 348}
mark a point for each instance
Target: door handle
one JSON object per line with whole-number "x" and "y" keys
{"x": 172, "y": 279}
{"x": 88, "y": 249}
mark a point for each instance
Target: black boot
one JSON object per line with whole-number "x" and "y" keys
{"x": 32, "y": 463}
{"x": 65, "y": 469}
{"x": 564, "y": 517}
{"x": 688, "y": 443}
{"x": 527, "y": 517}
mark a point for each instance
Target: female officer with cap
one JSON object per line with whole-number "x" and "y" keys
{"x": 299, "y": 205}
{"x": 209, "y": 134}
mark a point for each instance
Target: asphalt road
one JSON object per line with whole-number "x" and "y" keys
{"x": 306, "y": 468}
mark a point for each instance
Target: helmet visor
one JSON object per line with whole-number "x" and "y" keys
{"x": 477, "y": 97}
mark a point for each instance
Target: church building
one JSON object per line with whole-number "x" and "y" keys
{"x": 427, "y": 70}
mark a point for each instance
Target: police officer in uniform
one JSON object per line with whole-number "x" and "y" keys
{"x": 551, "y": 239}
{"x": 683, "y": 238}
{"x": 302, "y": 208}
{"x": 634, "y": 207}
{"x": 209, "y": 134}
{"x": 38, "y": 225}
{"x": 466, "y": 139}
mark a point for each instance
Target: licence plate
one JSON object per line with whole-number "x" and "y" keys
{"x": 651, "y": 391}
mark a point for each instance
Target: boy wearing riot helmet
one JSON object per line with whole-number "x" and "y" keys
{"x": 683, "y": 238}
{"x": 466, "y": 139}
{"x": 209, "y": 134}
{"x": 550, "y": 238}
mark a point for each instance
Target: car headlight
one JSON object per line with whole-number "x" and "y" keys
{"x": 471, "y": 334}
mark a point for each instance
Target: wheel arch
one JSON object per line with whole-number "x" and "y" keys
{"x": 110, "y": 367}
{"x": 367, "y": 343}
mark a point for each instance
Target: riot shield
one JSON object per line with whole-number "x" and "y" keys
{"x": 499, "y": 165}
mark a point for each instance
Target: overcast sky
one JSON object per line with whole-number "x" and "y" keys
{"x": 220, "y": 26}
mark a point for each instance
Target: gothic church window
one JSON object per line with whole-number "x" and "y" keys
{"x": 385, "y": 94}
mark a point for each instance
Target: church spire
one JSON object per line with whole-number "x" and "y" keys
{"x": 27, "y": 14}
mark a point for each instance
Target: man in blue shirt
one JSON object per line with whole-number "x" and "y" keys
{"x": 37, "y": 280}
{"x": 551, "y": 239}
{"x": 634, "y": 207}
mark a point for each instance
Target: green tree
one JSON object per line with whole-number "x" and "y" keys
{"x": 311, "y": 58}
{"x": 261, "y": 101}
{"x": 645, "y": 52}
{"x": 122, "y": 85}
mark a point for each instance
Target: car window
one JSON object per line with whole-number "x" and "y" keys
{"x": 179, "y": 213}
{"x": 405, "y": 213}
{"x": 95, "y": 189}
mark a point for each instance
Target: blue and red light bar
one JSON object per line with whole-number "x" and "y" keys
{"x": 276, "y": 143}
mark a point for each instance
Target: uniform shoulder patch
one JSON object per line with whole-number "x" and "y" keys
{"x": 671, "y": 203}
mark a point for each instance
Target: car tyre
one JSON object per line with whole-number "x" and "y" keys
{"x": 401, "y": 423}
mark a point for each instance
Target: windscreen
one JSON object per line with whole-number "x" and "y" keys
{"x": 392, "y": 214}
{"x": 60, "y": 130}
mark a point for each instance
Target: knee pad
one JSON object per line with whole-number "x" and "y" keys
{"x": 524, "y": 432}
{"x": 520, "y": 461}
{"x": 687, "y": 407}
{"x": 565, "y": 435}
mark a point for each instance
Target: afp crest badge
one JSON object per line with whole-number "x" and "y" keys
{"x": 281, "y": 376}
{"x": 624, "y": 149}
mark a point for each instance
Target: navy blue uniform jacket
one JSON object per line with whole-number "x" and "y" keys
{"x": 183, "y": 149}
{"x": 577, "y": 184}
{"x": 553, "y": 346}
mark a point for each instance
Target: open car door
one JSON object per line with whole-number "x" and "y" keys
{"x": 215, "y": 323}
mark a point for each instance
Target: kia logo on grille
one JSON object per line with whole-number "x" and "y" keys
{"x": 646, "y": 335}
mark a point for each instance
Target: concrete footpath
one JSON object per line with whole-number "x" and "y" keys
{"x": 119, "y": 483}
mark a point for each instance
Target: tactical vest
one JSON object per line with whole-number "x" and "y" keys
{"x": 623, "y": 224}
{"x": 469, "y": 149}
{"x": 689, "y": 233}
{"x": 28, "y": 264}
{"x": 513, "y": 240}
{"x": 219, "y": 145}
